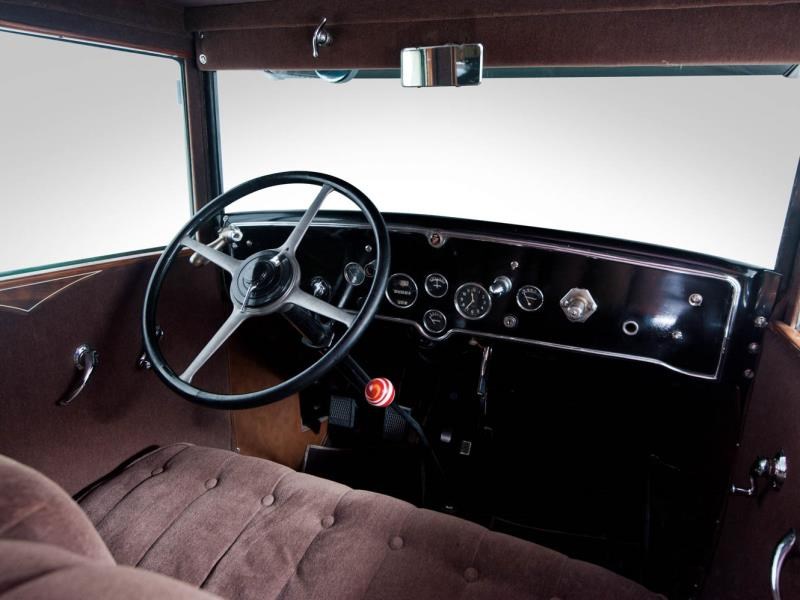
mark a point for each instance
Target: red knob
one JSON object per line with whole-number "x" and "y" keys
{"x": 379, "y": 392}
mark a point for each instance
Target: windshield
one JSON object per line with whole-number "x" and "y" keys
{"x": 703, "y": 163}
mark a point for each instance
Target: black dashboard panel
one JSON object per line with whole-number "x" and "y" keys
{"x": 676, "y": 314}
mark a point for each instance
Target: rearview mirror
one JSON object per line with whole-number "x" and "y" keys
{"x": 449, "y": 65}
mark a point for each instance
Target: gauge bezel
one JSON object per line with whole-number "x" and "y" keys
{"x": 458, "y": 308}
{"x": 361, "y": 270}
{"x": 522, "y": 306}
{"x": 429, "y": 292}
{"x": 389, "y": 284}
{"x": 425, "y": 323}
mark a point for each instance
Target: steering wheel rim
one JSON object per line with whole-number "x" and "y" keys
{"x": 340, "y": 348}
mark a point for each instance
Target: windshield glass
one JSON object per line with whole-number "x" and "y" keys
{"x": 703, "y": 163}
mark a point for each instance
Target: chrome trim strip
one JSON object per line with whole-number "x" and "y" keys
{"x": 78, "y": 265}
{"x": 76, "y": 279}
{"x": 736, "y": 288}
{"x": 508, "y": 338}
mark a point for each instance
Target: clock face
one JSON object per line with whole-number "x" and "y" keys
{"x": 473, "y": 301}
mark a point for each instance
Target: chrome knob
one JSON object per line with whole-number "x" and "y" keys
{"x": 578, "y": 305}
{"x": 500, "y": 286}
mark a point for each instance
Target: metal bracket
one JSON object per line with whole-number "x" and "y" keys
{"x": 774, "y": 470}
{"x": 322, "y": 38}
{"x": 229, "y": 234}
{"x": 85, "y": 359}
{"x": 144, "y": 361}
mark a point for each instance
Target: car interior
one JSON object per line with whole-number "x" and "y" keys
{"x": 371, "y": 300}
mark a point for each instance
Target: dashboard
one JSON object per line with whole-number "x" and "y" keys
{"x": 447, "y": 281}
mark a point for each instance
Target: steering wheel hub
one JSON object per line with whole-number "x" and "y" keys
{"x": 261, "y": 281}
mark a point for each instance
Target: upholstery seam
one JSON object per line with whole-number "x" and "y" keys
{"x": 401, "y": 531}
{"x": 311, "y": 543}
{"x": 241, "y": 533}
{"x": 472, "y": 561}
{"x": 34, "y": 578}
{"x": 134, "y": 488}
{"x": 182, "y": 512}
{"x": 29, "y": 513}
{"x": 561, "y": 571}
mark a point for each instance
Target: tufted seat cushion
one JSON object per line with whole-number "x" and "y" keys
{"x": 244, "y": 527}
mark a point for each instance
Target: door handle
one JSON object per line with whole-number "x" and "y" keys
{"x": 85, "y": 359}
{"x": 782, "y": 550}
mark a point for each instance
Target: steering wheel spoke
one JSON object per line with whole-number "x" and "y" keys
{"x": 231, "y": 324}
{"x": 222, "y": 260}
{"x": 318, "y": 306}
{"x": 296, "y": 236}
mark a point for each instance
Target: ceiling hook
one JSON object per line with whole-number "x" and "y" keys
{"x": 321, "y": 39}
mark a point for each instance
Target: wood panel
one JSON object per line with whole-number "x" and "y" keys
{"x": 274, "y": 431}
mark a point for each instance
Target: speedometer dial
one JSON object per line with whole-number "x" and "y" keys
{"x": 473, "y": 301}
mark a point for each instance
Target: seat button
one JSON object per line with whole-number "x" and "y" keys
{"x": 396, "y": 543}
{"x": 268, "y": 500}
{"x": 327, "y": 521}
{"x": 471, "y": 574}
{"x": 211, "y": 483}
{"x": 157, "y": 471}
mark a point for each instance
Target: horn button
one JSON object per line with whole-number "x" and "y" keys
{"x": 268, "y": 282}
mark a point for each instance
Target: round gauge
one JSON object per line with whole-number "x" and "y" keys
{"x": 436, "y": 285}
{"x": 401, "y": 291}
{"x": 369, "y": 268}
{"x": 473, "y": 301}
{"x": 434, "y": 321}
{"x": 354, "y": 274}
{"x": 530, "y": 298}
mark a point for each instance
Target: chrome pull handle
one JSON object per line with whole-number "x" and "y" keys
{"x": 782, "y": 550}
{"x": 85, "y": 359}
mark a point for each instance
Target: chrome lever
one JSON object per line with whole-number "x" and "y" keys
{"x": 773, "y": 470}
{"x": 321, "y": 38}
{"x": 85, "y": 358}
{"x": 782, "y": 551}
{"x": 227, "y": 235}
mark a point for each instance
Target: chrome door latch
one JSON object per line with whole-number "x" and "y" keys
{"x": 774, "y": 470}
{"x": 85, "y": 359}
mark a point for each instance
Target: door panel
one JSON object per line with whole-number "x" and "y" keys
{"x": 123, "y": 408}
{"x": 753, "y": 525}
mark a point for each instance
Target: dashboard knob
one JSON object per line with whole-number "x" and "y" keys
{"x": 500, "y": 286}
{"x": 578, "y": 305}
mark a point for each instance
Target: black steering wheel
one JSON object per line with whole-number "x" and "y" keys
{"x": 266, "y": 282}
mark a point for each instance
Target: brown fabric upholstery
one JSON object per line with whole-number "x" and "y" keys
{"x": 34, "y": 509}
{"x": 33, "y": 571}
{"x": 247, "y": 528}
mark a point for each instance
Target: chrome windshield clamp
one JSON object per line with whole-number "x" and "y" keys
{"x": 322, "y": 38}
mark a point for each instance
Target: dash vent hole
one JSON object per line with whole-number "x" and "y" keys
{"x": 630, "y": 327}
